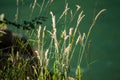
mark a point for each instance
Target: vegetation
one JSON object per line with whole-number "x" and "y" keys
{"x": 53, "y": 61}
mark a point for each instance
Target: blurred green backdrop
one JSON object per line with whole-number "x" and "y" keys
{"x": 104, "y": 52}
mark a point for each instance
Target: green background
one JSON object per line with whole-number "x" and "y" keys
{"x": 104, "y": 52}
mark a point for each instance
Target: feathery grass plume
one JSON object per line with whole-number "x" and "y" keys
{"x": 73, "y": 15}
{"x": 70, "y": 31}
{"x": 64, "y": 12}
{"x": 66, "y": 54}
{"x": 89, "y": 31}
{"x": 80, "y": 17}
{"x": 78, "y": 39}
{"x": 78, "y": 7}
{"x": 39, "y": 53}
{"x": 39, "y": 31}
{"x": 43, "y": 36}
{"x": 54, "y": 33}
{"x": 46, "y": 57}
{"x": 64, "y": 35}
{"x": 82, "y": 38}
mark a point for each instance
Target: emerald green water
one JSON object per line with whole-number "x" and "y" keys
{"x": 104, "y": 52}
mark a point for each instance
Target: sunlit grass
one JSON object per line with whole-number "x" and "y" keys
{"x": 59, "y": 49}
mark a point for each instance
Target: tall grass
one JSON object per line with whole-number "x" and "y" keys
{"x": 57, "y": 52}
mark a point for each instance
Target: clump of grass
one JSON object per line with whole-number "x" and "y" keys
{"x": 58, "y": 51}
{"x": 63, "y": 49}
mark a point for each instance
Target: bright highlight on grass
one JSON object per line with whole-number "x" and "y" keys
{"x": 59, "y": 50}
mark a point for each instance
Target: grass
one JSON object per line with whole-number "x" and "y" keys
{"x": 54, "y": 49}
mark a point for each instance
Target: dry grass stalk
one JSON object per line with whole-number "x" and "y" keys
{"x": 54, "y": 32}
{"x": 80, "y": 17}
{"x": 64, "y": 13}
